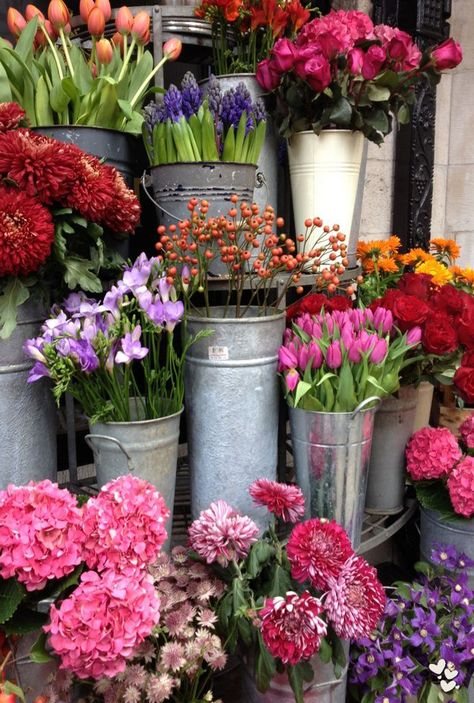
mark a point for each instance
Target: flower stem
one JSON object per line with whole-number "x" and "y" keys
{"x": 66, "y": 51}
{"x": 55, "y": 53}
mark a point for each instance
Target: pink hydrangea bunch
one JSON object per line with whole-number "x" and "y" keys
{"x": 431, "y": 453}
{"x": 221, "y": 534}
{"x": 356, "y": 599}
{"x": 40, "y": 533}
{"x": 283, "y": 500}
{"x": 124, "y": 525}
{"x": 100, "y": 625}
{"x": 466, "y": 430}
{"x": 291, "y": 627}
{"x": 461, "y": 487}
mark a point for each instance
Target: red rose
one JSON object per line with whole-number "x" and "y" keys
{"x": 338, "y": 302}
{"x": 450, "y": 299}
{"x": 439, "y": 335}
{"x": 331, "y": 45}
{"x": 468, "y": 359}
{"x": 418, "y": 284}
{"x": 373, "y": 61}
{"x": 387, "y": 301}
{"x": 447, "y": 55}
{"x": 465, "y": 327}
{"x": 316, "y": 71}
{"x": 464, "y": 382}
{"x": 283, "y": 54}
{"x": 409, "y": 311}
{"x": 268, "y": 76}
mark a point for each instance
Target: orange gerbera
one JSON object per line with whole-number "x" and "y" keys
{"x": 388, "y": 265}
{"x": 445, "y": 246}
{"x": 373, "y": 249}
{"x": 464, "y": 276}
{"x": 416, "y": 256}
{"x": 440, "y": 273}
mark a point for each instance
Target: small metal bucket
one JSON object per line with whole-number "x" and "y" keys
{"x": 146, "y": 448}
{"x": 331, "y": 452}
{"x": 435, "y": 530}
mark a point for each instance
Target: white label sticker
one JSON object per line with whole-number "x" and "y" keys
{"x": 218, "y": 353}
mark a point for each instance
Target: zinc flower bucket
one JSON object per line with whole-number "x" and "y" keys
{"x": 435, "y": 529}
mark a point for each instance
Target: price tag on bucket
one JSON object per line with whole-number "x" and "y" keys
{"x": 218, "y": 353}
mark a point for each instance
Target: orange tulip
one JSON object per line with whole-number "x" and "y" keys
{"x": 68, "y": 28}
{"x": 172, "y": 48}
{"x": 105, "y": 52}
{"x": 117, "y": 40}
{"x": 85, "y": 7}
{"x": 124, "y": 20}
{"x": 32, "y": 11}
{"x": 52, "y": 33}
{"x": 104, "y": 5}
{"x": 141, "y": 26}
{"x": 15, "y": 21}
{"x": 58, "y": 14}
{"x": 96, "y": 22}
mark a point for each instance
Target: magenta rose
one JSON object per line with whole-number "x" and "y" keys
{"x": 318, "y": 73}
{"x": 284, "y": 55}
{"x": 268, "y": 76}
{"x": 403, "y": 51}
{"x": 447, "y": 55}
{"x": 373, "y": 61}
{"x": 355, "y": 61}
{"x": 331, "y": 44}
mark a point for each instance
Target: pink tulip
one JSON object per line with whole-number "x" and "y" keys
{"x": 124, "y": 20}
{"x": 105, "y": 51}
{"x": 414, "y": 336}
{"x": 32, "y": 11}
{"x": 104, "y": 5}
{"x": 287, "y": 359}
{"x": 141, "y": 25}
{"x": 58, "y": 14}
{"x": 85, "y": 8}
{"x": 292, "y": 379}
{"x": 379, "y": 352}
{"x": 172, "y": 48}
{"x": 334, "y": 355}
{"x": 317, "y": 355}
{"x": 383, "y": 320}
{"x": 96, "y": 22}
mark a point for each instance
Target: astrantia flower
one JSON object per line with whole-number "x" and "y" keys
{"x": 100, "y": 625}
{"x": 124, "y": 524}
{"x": 123, "y": 213}
{"x": 159, "y": 688}
{"x": 356, "y": 599}
{"x": 466, "y": 430}
{"x": 281, "y": 499}
{"x": 11, "y": 115}
{"x": 221, "y": 534}
{"x": 26, "y": 233}
{"x": 318, "y": 549}
{"x": 431, "y": 453}
{"x": 40, "y": 533}
{"x": 291, "y": 627}
{"x": 94, "y": 186}
{"x": 461, "y": 487}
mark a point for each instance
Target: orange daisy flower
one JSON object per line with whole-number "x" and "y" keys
{"x": 416, "y": 256}
{"x": 445, "y": 246}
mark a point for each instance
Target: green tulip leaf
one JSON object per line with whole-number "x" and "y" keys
{"x": 82, "y": 73}
{"x": 44, "y": 114}
{"x": 24, "y": 45}
{"x": 139, "y": 75}
{"x": 5, "y": 90}
{"x": 59, "y": 99}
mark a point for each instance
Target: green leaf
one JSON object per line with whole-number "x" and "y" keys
{"x": 126, "y": 108}
{"x": 378, "y": 93}
{"x": 259, "y": 556}
{"x": 11, "y": 595}
{"x": 5, "y": 90}
{"x": 82, "y": 73}
{"x": 433, "y": 495}
{"x": 134, "y": 126}
{"x": 139, "y": 75}
{"x": 9, "y": 687}
{"x": 297, "y": 675}
{"x": 13, "y": 295}
{"x": 378, "y": 120}
{"x": 24, "y": 621}
{"x": 38, "y": 652}
{"x": 301, "y": 389}
{"x": 280, "y": 582}
{"x": 59, "y": 99}
{"x": 325, "y": 651}
{"x": 265, "y": 666}
{"x": 341, "y": 112}
{"x": 404, "y": 114}
{"x": 44, "y": 114}
{"x": 61, "y": 585}
{"x": 238, "y": 597}
{"x": 78, "y": 274}
{"x": 24, "y": 45}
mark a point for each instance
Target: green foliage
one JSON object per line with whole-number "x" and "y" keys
{"x": 12, "y": 594}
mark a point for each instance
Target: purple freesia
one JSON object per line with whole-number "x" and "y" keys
{"x": 34, "y": 349}
{"x": 131, "y": 347}
{"x": 37, "y": 371}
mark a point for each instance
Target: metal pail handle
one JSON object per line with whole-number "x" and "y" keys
{"x": 363, "y": 404}
{"x": 145, "y": 181}
{"x": 261, "y": 182}
{"x": 89, "y": 441}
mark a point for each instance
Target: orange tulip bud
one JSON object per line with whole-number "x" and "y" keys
{"x": 172, "y": 48}
{"x": 140, "y": 27}
{"x": 85, "y": 7}
{"x": 52, "y": 33}
{"x": 124, "y": 20}
{"x": 58, "y": 14}
{"x": 105, "y": 52}
{"x": 40, "y": 39}
{"x": 32, "y": 11}
{"x": 104, "y": 5}
{"x": 15, "y": 21}
{"x": 96, "y": 22}
{"x": 117, "y": 40}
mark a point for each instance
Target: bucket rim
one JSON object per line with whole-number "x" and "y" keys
{"x": 84, "y": 128}
{"x": 214, "y": 164}
{"x": 436, "y": 516}
{"x": 246, "y": 74}
{"x": 254, "y": 319}
{"x": 141, "y": 423}
{"x": 333, "y": 414}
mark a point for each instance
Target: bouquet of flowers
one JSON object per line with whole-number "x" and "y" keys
{"x": 244, "y": 32}
{"x": 254, "y": 255}
{"x": 99, "y": 351}
{"x": 442, "y": 469}
{"x": 424, "y": 646}
{"x": 57, "y": 83}
{"x": 287, "y": 601}
{"x": 185, "y": 126}
{"x": 56, "y": 205}
{"x": 332, "y": 361}
{"x": 343, "y": 71}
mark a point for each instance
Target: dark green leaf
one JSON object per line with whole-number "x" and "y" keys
{"x": 265, "y": 666}
{"x": 259, "y": 555}
{"x": 63, "y": 584}
{"x": 433, "y": 495}
{"x": 281, "y": 582}
{"x": 38, "y": 652}
{"x": 24, "y": 621}
{"x": 11, "y": 595}
{"x": 341, "y": 113}
{"x": 245, "y": 631}
{"x": 14, "y": 294}
{"x": 377, "y": 119}
{"x": 78, "y": 274}
{"x": 325, "y": 651}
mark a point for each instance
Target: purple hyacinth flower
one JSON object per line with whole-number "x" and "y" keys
{"x": 131, "y": 347}
{"x": 154, "y": 113}
{"x": 192, "y": 95}
{"x": 173, "y": 312}
{"x": 334, "y": 355}
{"x": 173, "y": 101}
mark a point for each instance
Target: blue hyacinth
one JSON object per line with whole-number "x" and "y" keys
{"x": 192, "y": 95}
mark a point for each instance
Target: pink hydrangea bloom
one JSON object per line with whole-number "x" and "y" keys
{"x": 466, "y": 430}
{"x": 124, "y": 524}
{"x": 317, "y": 549}
{"x": 461, "y": 487}
{"x": 431, "y": 453}
{"x": 40, "y": 533}
{"x": 356, "y": 599}
{"x": 281, "y": 499}
{"x": 221, "y": 534}
{"x": 291, "y": 627}
{"x": 100, "y": 625}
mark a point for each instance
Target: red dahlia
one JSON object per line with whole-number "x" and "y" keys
{"x": 281, "y": 499}
{"x": 123, "y": 214}
{"x": 318, "y": 549}
{"x": 11, "y": 115}
{"x": 93, "y": 191}
{"x": 26, "y": 233}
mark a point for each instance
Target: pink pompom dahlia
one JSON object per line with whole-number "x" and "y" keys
{"x": 291, "y": 627}
{"x": 40, "y": 533}
{"x": 432, "y": 453}
{"x": 281, "y": 499}
{"x": 466, "y": 430}
{"x": 100, "y": 625}
{"x": 356, "y": 599}
{"x": 124, "y": 524}
{"x": 318, "y": 549}
{"x": 461, "y": 487}
{"x": 221, "y": 534}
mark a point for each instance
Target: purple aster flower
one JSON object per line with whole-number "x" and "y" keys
{"x": 131, "y": 347}
{"x": 173, "y": 313}
{"x": 426, "y": 628}
{"x": 173, "y": 101}
{"x": 38, "y": 371}
{"x": 191, "y": 95}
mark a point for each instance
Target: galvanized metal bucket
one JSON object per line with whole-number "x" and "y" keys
{"x": 28, "y": 417}
{"x": 232, "y": 408}
{"x": 331, "y": 452}
{"x": 435, "y": 530}
{"x": 393, "y": 428}
{"x": 32, "y": 677}
{"x": 424, "y": 401}
{"x": 146, "y": 448}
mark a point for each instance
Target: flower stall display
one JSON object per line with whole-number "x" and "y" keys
{"x": 288, "y": 603}
{"x": 423, "y": 649}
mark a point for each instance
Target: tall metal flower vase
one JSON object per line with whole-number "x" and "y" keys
{"x": 435, "y": 529}
{"x": 28, "y": 418}
{"x": 231, "y": 392}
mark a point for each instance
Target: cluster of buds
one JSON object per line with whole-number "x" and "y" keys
{"x": 57, "y": 24}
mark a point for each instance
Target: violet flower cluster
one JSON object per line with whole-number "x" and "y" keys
{"x": 94, "y": 350}
{"x": 334, "y": 361}
{"x": 427, "y": 622}
{"x": 186, "y": 126}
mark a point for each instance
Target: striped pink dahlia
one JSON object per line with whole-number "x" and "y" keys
{"x": 281, "y": 499}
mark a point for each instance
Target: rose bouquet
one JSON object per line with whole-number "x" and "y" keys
{"x": 185, "y": 126}
{"x": 331, "y": 362}
{"x": 343, "y": 71}
{"x": 57, "y": 205}
{"x": 57, "y": 83}
{"x": 99, "y": 351}
{"x": 244, "y": 32}
{"x": 424, "y": 646}
{"x": 287, "y": 602}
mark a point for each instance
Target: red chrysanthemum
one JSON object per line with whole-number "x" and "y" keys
{"x": 40, "y": 166}
{"x": 93, "y": 191}
{"x": 11, "y": 115}
{"x": 356, "y": 599}
{"x": 281, "y": 499}
{"x": 123, "y": 214}
{"x": 318, "y": 549}
{"x": 291, "y": 627}
{"x": 26, "y": 233}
